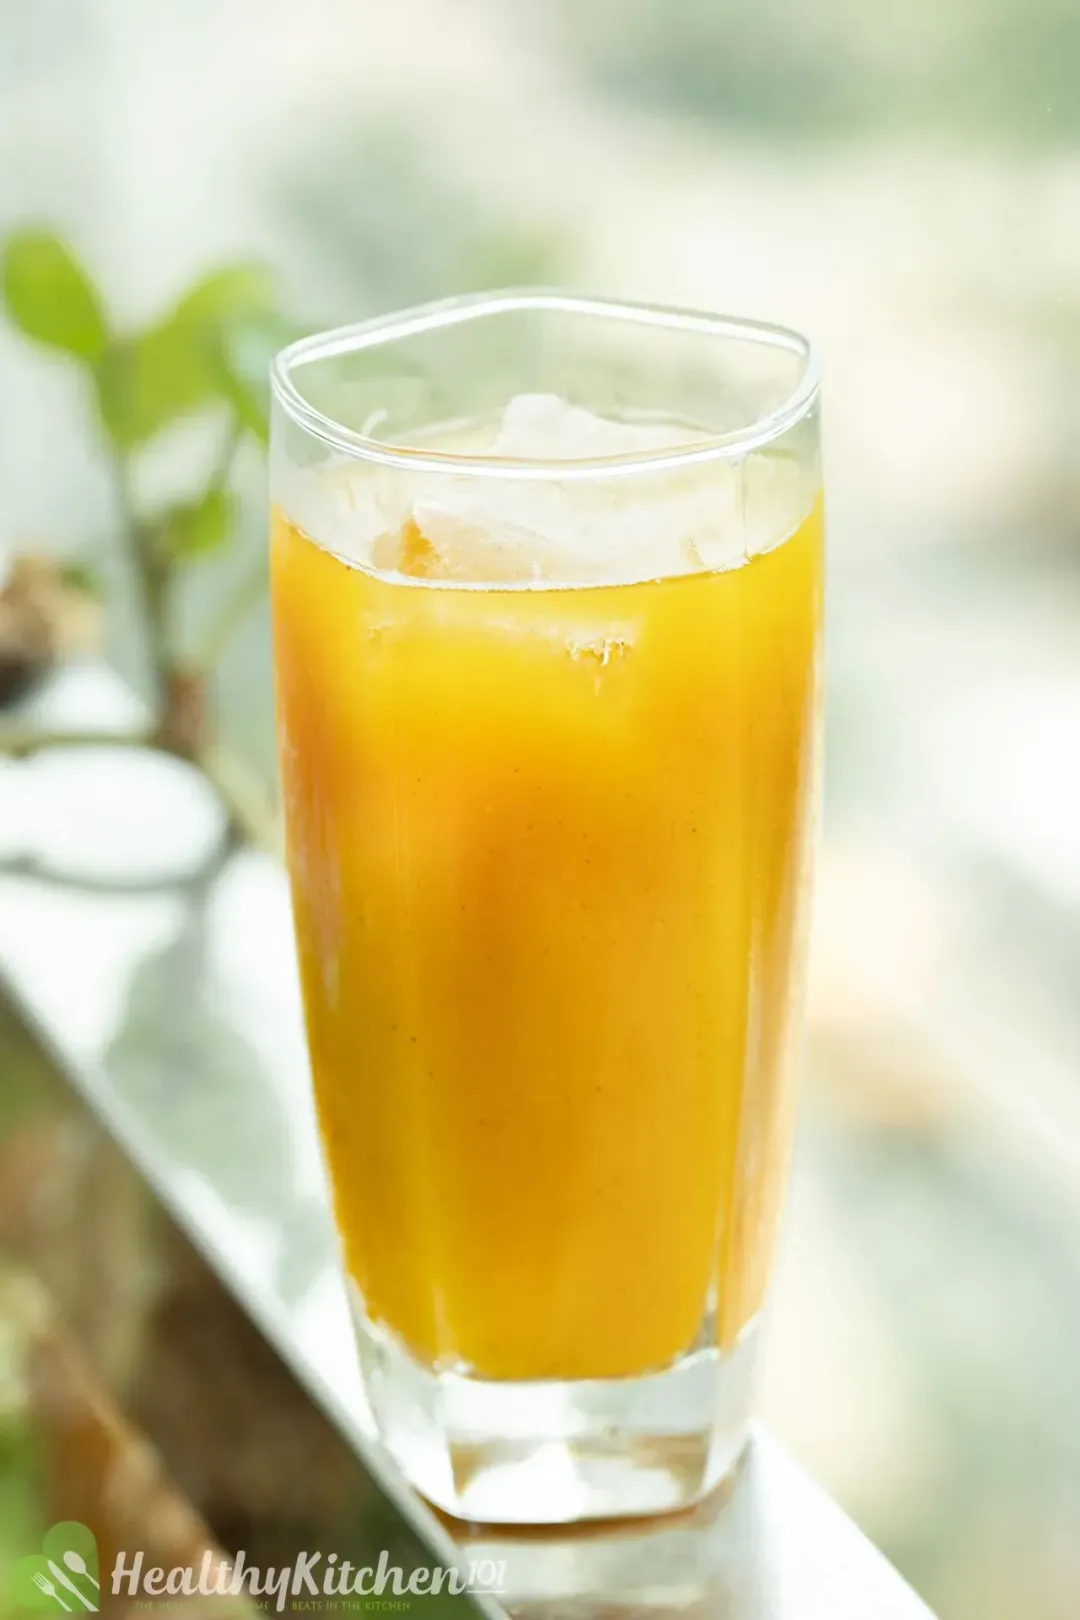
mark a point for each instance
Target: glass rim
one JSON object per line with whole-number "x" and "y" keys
{"x": 446, "y": 312}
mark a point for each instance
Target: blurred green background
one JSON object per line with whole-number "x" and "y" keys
{"x": 904, "y": 183}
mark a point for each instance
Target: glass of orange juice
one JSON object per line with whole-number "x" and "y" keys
{"x": 546, "y": 581}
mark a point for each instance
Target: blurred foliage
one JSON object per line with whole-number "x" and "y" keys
{"x": 386, "y": 220}
{"x": 20, "y": 1450}
{"x": 50, "y": 297}
{"x": 144, "y": 381}
{"x": 206, "y": 357}
{"x": 995, "y": 70}
{"x": 187, "y": 361}
{"x": 24, "y": 1097}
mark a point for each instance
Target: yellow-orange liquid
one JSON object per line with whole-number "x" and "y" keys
{"x": 548, "y": 852}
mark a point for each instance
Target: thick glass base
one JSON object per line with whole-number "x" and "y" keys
{"x": 552, "y": 1452}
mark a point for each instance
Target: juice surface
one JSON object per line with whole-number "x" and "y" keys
{"x": 549, "y": 854}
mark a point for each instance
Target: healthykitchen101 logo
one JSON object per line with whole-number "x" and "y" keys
{"x": 63, "y": 1575}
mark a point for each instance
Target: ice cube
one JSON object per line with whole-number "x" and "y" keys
{"x": 571, "y": 531}
{"x": 543, "y": 427}
{"x": 506, "y": 529}
{"x": 354, "y": 511}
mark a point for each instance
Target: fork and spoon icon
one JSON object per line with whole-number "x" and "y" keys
{"x": 77, "y": 1564}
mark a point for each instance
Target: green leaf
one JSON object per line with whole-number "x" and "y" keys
{"x": 50, "y": 296}
{"x": 180, "y": 365}
{"x": 194, "y": 528}
{"x": 247, "y": 350}
{"x": 239, "y": 291}
{"x": 146, "y": 382}
{"x": 237, "y": 305}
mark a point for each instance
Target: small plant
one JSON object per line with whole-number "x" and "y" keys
{"x": 206, "y": 357}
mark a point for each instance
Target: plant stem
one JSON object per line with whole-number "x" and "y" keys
{"x": 146, "y": 578}
{"x": 230, "y": 444}
{"x": 247, "y": 591}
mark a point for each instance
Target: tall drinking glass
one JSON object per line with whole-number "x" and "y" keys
{"x": 546, "y": 591}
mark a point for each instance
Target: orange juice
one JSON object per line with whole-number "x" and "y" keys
{"x": 549, "y": 851}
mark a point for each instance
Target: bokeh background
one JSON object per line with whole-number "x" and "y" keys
{"x": 903, "y": 183}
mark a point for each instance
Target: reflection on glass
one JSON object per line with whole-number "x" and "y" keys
{"x": 713, "y": 1560}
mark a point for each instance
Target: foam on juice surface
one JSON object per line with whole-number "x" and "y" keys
{"x": 469, "y": 529}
